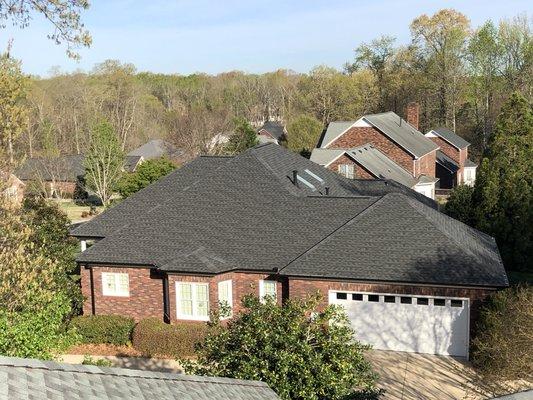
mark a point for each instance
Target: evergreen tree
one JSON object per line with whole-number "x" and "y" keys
{"x": 243, "y": 138}
{"x": 148, "y": 172}
{"x": 503, "y": 192}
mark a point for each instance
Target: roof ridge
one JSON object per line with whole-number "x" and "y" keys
{"x": 443, "y": 231}
{"x": 328, "y": 236}
{"x": 125, "y": 372}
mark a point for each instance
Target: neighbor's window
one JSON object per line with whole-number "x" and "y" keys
{"x": 390, "y": 299}
{"x": 456, "y": 303}
{"x": 347, "y": 170}
{"x": 267, "y": 288}
{"x": 192, "y": 300}
{"x": 357, "y": 297}
{"x": 422, "y": 301}
{"x": 342, "y": 296}
{"x": 115, "y": 284}
{"x": 373, "y": 297}
{"x": 439, "y": 302}
{"x": 225, "y": 295}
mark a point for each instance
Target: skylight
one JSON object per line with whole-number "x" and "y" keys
{"x": 314, "y": 176}
{"x": 306, "y": 183}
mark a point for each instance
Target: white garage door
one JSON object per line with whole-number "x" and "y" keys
{"x": 434, "y": 325}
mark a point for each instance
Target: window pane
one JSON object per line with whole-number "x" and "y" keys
{"x": 439, "y": 302}
{"x": 342, "y": 296}
{"x": 390, "y": 299}
{"x": 109, "y": 280}
{"x": 201, "y": 292}
{"x": 270, "y": 288}
{"x": 186, "y": 307}
{"x": 457, "y": 303}
{"x": 123, "y": 284}
{"x": 422, "y": 301}
{"x": 357, "y": 297}
{"x": 185, "y": 292}
{"x": 202, "y": 309}
{"x": 406, "y": 300}
{"x": 373, "y": 297}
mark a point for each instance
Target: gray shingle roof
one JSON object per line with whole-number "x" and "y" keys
{"x": 131, "y": 162}
{"x": 451, "y": 137}
{"x": 64, "y": 168}
{"x": 154, "y": 148}
{"x": 275, "y": 129}
{"x": 215, "y": 216}
{"x": 45, "y": 380}
{"x": 399, "y": 239}
{"x": 401, "y": 132}
{"x": 469, "y": 163}
{"x": 447, "y": 162}
{"x": 325, "y": 156}
{"x": 333, "y": 130}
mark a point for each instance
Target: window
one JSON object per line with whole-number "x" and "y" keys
{"x": 192, "y": 300}
{"x": 439, "y": 302}
{"x": 267, "y": 288}
{"x": 342, "y": 296}
{"x": 373, "y": 297}
{"x": 225, "y": 295}
{"x": 456, "y": 303}
{"x": 346, "y": 170}
{"x": 422, "y": 301}
{"x": 406, "y": 300}
{"x": 390, "y": 299}
{"x": 115, "y": 284}
{"x": 357, "y": 297}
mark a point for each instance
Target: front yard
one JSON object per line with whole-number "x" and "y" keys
{"x": 75, "y": 212}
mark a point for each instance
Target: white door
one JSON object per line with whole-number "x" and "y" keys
{"x": 419, "y": 324}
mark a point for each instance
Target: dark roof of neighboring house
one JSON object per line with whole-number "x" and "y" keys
{"x": 64, "y": 168}
{"x": 275, "y": 129}
{"x": 447, "y": 162}
{"x": 155, "y": 148}
{"x": 451, "y": 137}
{"x": 33, "y": 379}
{"x": 401, "y": 132}
{"x": 131, "y": 163}
{"x": 393, "y": 126}
{"x": 218, "y": 216}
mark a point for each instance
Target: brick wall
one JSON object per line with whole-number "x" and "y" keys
{"x": 145, "y": 299}
{"x": 299, "y": 288}
{"x": 459, "y": 156}
{"x": 360, "y": 171}
{"x": 425, "y": 165}
{"x": 359, "y": 136}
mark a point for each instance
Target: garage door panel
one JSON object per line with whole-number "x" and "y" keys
{"x": 424, "y": 328}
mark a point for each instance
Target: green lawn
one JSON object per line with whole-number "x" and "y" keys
{"x": 75, "y": 211}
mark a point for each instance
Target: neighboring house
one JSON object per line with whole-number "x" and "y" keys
{"x": 11, "y": 187}
{"x": 22, "y": 378}
{"x": 367, "y": 162}
{"x": 58, "y": 176}
{"x": 157, "y": 148}
{"x": 270, "y": 222}
{"x": 272, "y": 132}
{"x": 453, "y": 166}
{"x": 395, "y": 138}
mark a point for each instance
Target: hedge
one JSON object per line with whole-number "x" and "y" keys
{"x": 152, "y": 337}
{"x": 111, "y": 329}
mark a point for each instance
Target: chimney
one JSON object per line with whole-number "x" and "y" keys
{"x": 413, "y": 112}
{"x": 295, "y": 177}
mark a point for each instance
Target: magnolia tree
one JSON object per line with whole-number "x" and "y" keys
{"x": 299, "y": 351}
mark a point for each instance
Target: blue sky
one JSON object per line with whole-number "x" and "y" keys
{"x": 186, "y": 36}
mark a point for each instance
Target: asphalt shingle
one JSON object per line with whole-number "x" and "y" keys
{"x": 33, "y": 379}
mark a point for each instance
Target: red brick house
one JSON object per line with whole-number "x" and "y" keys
{"x": 388, "y": 133}
{"x": 272, "y": 132}
{"x": 270, "y": 222}
{"x": 453, "y": 166}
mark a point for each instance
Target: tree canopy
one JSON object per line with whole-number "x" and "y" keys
{"x": 148, "y": 172}
{"x": 300, "y": 352}
{"x": 304, "y": 132}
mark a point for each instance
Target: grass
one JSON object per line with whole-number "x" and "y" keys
{"x": 74, "y": 211}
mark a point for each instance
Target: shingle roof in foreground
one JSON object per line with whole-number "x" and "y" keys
{"x": 219, "y": 218}
{"x": 45, "y": 380}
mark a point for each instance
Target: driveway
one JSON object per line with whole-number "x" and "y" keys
{"x": 406, "y": 376}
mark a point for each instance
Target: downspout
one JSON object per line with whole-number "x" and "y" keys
{"x": 166, "y": 299}
{"x": 93, "y": 302}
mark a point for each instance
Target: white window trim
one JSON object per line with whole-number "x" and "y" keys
{"x": 114, "y": 276}
{"x": 262, "y": 288}
{"x": 192, "y": 317}
{"x": 230, "y": 296}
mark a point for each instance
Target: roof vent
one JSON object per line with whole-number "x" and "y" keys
{"x": 327, "y": 190}
{"x": 295, "y": 177}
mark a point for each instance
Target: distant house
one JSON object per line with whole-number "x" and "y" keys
{"x": 58, "y": 176}
{"x": 11, "y": 187}
{"x": 366, "y": 141}
{"x": 271, "y": 222}
{"x": 22, "y": 378}
{"x": 452, "y": 164}
{"x": 272, "y": 132}
{"x": 156, "y": 148}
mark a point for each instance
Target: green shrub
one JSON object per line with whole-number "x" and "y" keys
{"x": 503, "y": 346}
{"x": 111, "y": 329}
{"x": 152, "y": 337}
{"x": 99, "y": 362}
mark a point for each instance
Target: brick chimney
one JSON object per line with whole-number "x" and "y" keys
{"x": 413, "y": 113}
